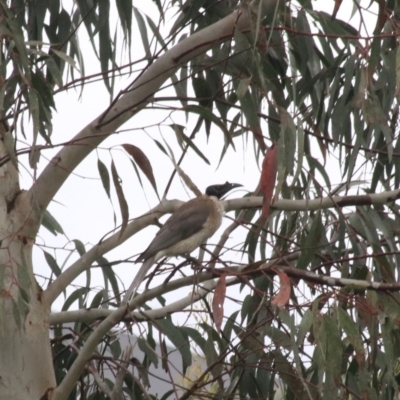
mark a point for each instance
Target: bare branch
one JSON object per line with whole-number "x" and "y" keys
{"x": 90, "y": 315}
{"x": 99, "y": 380}
{"x": 116, "y": 393}
{"x": 316, "y": 204}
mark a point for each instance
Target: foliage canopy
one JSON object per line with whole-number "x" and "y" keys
{"x": 321, "y": 87}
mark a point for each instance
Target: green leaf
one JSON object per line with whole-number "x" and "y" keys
{"x": 202, "y": 90}
{"x": 9, "y": 143}
{"x": 80, "y": 247}
{"x": 78, "y": 294}
{"x": 97, "y": 299}
{"x": 115, "y": 348}
{"x": 147, "y": 349}
{"x": 110, "y": 275}
{"x": 105, "y": 177}
{"x": 50, "y": 223}
{"x": 196, "y": 336}
{"x": 190, "y": 144}
{"x": 304, "y": 327}
{"x": 52, "y": 263}
{"x": 143, "y": 32}
{"x": 123, "y": 205}
{"x": 124, "y": 8}
{"x": 175, "y": 336}
{"x": 314, "y": 163}
{"x": 351, "y": 330}
{"x": 333, "y": 352}
{"x": 208, "y": 115}
{"x": 212, "y": 357}
{"x": 288, "y": 131}
{"x": 310, "y": 242}
{"x": 65, "y": 58}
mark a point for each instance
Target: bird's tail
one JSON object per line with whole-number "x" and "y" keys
{"x": 147, "y": 264}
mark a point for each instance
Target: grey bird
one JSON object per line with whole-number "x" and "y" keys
{"x": 187, "y": 228}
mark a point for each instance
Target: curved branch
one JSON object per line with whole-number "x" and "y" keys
{"x": 90, "y": 315}
{"x": 86, "y": 261}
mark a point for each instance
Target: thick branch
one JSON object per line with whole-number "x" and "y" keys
{"x": 90, "y": 315}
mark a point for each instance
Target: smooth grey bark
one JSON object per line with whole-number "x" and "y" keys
{"x": 26, "y": 366}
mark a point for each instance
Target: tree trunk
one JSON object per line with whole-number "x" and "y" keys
{"x": 26, "y": 367}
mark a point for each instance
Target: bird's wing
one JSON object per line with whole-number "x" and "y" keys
{"x": 182, "y": 224}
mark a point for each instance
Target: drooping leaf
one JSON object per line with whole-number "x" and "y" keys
{"x": 142, "y": 161}
{"x": 50, "y": 223}
{"x": 105, "y": 177}
{"x": 218, "y": 301}
{"x": 283, "y": 296}
{"x": 143, "y": 31}
{"x": 175, "y": 336}
{"x": 268, "y": 178}
{"x": 78, "y": 294}
{"x": 52, "y": 263}
{"x": 121, "y": 199}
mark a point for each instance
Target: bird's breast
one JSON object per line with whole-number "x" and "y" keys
{"x": 215, "y": 211}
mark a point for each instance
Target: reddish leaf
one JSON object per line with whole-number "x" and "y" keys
{"x": 268, "y": 177}
{"x": 142, "y": 161}
{"x": 218, "y": 301}
{"x": 283, "y": 295}
{"x": 123, "y": 205}
{"x": 258, "y": 135}
{"x": 382, "y": 16}
{"x": 336, "y": 8}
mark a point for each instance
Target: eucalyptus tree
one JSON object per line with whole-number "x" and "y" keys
{"x": 303, "y": 280}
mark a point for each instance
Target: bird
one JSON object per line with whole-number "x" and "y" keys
{"x": 185, "y": 230}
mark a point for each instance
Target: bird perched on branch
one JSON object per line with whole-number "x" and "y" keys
{"x": 187, "y": 228}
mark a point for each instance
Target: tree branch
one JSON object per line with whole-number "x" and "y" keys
{"x": 86, "y": 261}
{"x": 116, "y": 393}
{"x": 69, "y": 381}
{"x": 99, "y": 380}
{"x": 169, "y": 206}
{"x": 316, "y": 204}
{"x": 90, "y": 315}
{"x": 328, "y": 280}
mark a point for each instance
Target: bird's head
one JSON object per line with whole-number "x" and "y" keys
{"x": 219, "y": 190}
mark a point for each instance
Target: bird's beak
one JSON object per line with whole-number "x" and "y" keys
{"x": 227, "y": 187}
